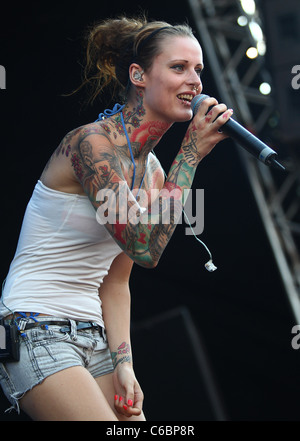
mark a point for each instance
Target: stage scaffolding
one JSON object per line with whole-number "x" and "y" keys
{"x": 237, "y": 79}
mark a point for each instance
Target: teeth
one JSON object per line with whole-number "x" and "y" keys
{"x": 185, "y": 97}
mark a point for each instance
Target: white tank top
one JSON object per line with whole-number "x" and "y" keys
{"x": 61, "y": 259}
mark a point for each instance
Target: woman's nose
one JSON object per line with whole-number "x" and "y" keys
{"x": 195, "y": 80}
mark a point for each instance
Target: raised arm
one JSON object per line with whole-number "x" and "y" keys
{"x": 143, "y": 235}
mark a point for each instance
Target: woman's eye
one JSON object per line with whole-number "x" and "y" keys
{"x": 178, "y": 67}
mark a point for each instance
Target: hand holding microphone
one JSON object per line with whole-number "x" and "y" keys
{"x": 246, "y": 139}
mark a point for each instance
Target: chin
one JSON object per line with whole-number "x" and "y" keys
{"x": 185, "y": 116}
{"x": 178, "y": 115}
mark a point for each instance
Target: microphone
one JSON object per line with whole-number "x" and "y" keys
{"x": 248, "y": 141}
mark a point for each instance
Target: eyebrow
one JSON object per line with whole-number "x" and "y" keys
{"x": 186, "y": 61}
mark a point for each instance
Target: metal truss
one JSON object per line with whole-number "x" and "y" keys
{"x": 237, "y": 79}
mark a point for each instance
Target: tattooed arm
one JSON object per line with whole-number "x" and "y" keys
{"x": 115, "y": 297}
{"x": 143, "y": 236}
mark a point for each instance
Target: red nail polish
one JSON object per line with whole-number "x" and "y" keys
{"x": 125, "y": 407}
{"x": 130, "y": 403}
{"x": 120, "y": 398}
{"x": 116, "y": 397}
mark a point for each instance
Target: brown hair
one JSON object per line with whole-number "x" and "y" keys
{"x": 114, "y": 44}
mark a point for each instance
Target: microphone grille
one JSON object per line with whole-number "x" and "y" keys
{"x": 196, "y": 101}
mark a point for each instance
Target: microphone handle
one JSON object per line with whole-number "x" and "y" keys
{"x": 252, "y": 144}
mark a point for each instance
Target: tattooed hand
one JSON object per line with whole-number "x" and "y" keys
{"x": 203, "y": 132}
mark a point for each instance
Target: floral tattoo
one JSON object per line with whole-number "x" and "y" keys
{"x": 122, "y": 355}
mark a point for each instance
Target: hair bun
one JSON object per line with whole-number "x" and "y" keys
{"x": 108, "y": 43}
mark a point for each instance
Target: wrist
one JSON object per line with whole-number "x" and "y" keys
{"x": 119, "y": 361}
{"x": 191, "y": 155}
{"x": 121, "y": 355}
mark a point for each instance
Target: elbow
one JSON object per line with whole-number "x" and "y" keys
{"x": 147, "y": 263}
{"x": 145, "y": 259}
{"x": 152, "y": 265}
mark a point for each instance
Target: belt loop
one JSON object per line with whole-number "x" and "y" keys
{"x": 103, "y": 333}
{"x": 73, "y": 333}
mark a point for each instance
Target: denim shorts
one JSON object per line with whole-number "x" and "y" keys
{"x": 44, "y": 352}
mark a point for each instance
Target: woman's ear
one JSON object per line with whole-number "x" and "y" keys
{"x": 136, "y": 75}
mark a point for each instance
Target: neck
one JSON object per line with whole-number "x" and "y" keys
{"x": 144, "y": 132}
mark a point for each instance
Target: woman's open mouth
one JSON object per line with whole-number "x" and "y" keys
{"x": 185, "y": 98}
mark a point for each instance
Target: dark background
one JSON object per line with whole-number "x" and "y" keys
{"x": 241, "y": 313}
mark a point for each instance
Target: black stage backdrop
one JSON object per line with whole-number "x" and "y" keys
{"x": 210, "y": 345}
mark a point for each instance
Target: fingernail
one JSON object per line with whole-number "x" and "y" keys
{"x": 125, "y": 407}
{"x": 121, "y": 398}
{"x": 116, "y": 397}
{"x": 225, "y": 115}
{"x": 130, "y": 402}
